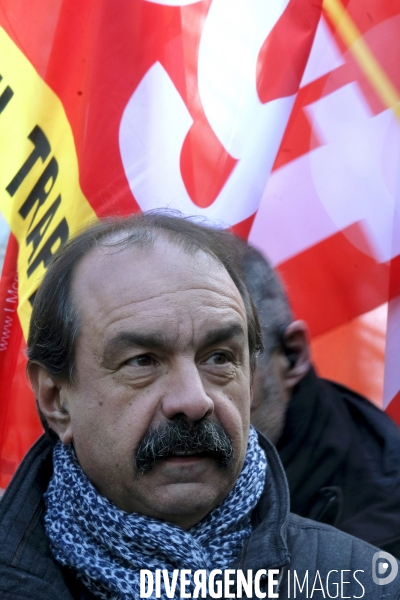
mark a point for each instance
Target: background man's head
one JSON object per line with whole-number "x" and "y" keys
{"x": 143, "y": 330}
{"x": 285, "y": 359}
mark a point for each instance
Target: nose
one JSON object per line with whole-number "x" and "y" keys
{"x": 185, "y": 395}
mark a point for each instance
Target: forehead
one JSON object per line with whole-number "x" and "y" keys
{"x": 162, "y": 282}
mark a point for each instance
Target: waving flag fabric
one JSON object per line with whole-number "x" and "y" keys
{"x": 335, "y": 191}
{"x": 277, "y": 119}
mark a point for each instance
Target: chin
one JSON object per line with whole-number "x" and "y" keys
{"x": 188, "y": 503}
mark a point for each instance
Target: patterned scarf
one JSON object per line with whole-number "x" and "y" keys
{"x": 107, "y": 547}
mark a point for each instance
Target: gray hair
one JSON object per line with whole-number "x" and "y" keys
{"x": 268, "y": 294}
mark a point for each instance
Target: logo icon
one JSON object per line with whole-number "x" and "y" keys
{"x": 380, "y": 566}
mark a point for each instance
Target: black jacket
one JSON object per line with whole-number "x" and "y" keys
{"x": 341, "y": 455}
{"x": 279, "y": 541}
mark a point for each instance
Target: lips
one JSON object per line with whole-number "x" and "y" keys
{"x": 185, "y": 453}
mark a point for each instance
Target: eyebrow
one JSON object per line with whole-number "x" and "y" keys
{"x": 157, "y": 340}
{"x": 222, "y": 334}
{"x": 127, "y": 339}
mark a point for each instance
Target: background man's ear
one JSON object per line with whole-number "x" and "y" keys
{"x": 52, "y": 401}
{"x": 294, "y": 344}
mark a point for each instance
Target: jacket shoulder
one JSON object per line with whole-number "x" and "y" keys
{"x": 318, "y": 547}
{"x": 27, "y": 568}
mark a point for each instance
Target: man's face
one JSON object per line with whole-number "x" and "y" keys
{"x": 163, "y": 337}
{"x": 275, "y": 379}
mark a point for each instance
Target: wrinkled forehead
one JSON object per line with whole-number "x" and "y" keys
{"x": 112, "y": 276}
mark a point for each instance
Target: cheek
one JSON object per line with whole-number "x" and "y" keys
{"x": 240, "y": 394}
{"x": 232, "y": 409}
{"x": 109, "y": 419}
{"x": 242, "y": 402}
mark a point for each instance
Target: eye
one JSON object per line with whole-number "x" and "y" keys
{"x": 218, "y": 358}
{"x": 143, "y": 360}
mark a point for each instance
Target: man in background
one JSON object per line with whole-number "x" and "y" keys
{"x": 341, "y": 454}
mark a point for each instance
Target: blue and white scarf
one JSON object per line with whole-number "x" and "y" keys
{"x": 107, "y": 547}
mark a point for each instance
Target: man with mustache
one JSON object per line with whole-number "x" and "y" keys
{"x": 141, "y": 350}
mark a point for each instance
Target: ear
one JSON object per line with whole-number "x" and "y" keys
{"x": 297, "y": 353}
{"x": 52, "y": 401}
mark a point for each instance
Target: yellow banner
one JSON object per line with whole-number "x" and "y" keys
{"x": 40, "y": 195}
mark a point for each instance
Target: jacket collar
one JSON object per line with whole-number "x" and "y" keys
{"x": 22, "y": 536}
{"x": 267, "y": 547}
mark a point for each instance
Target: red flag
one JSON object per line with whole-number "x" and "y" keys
{"x": 334, "y": 193}
{"x": 19, "y": 423}
{"x": 229, "y": 110}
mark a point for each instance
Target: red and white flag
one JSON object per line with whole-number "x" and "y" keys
{"x": 277, "y": 119}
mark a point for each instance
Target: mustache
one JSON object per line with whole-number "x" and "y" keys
{"x": 178, "y": 437}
